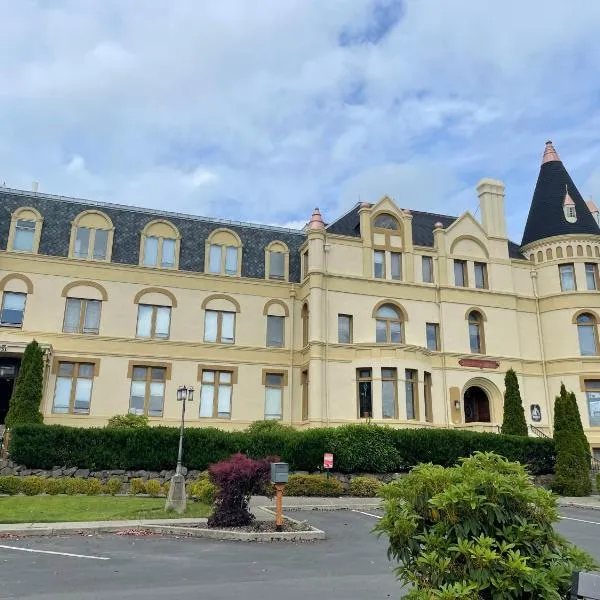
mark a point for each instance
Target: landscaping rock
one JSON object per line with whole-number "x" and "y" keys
{"x": 85, "y": 473}
{"x": 70, "y": 472}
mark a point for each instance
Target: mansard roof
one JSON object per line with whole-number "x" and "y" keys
{"x": 59, "y": 212}
{"x": 546, "y": 215}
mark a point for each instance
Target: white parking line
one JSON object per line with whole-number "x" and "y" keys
{"x": 366, "y": 513}
{"x": 581, "y": 520}
{"x": 52, "y": 552}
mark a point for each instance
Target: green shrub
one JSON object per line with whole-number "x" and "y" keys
{"x": 25, "y": 401}
{"x": 514, "y": 415}
{"x": 32, "y": 486}
{"x": 53, "y": 486}
{"x": 138, "y": 486}
{"x": 10, "y": 485}
{"x": 598, "y": 482}
{"x": 113, "y": 486}
{"x": 127, "y": 421}
{"x": 357, "y": 448}
{"x": 203, "y": 490}
{"x": 313, "y": 485}
{"x": 166, "y": 487}
{"x": 481, "y": 530}
{"x": 153, "y": 488}
{"x": 75, "y": 485}
{"x": 93, "y": 486}
{"x": 366, "y": 487}
{"x": 572, "y": 463}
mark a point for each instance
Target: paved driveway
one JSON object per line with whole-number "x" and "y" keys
{"x": 350, "y": 565}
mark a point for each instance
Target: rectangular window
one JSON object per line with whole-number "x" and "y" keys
{"x": 567, "y": 277}
{"x": 73, "y": 392}
{"x": 481, "y": 278}
{"x": 275, "y": 328}
{"x": 214, "y": 259}
{"x": 592, "y": 392}
{"x": 13, "y": 309}
{"x": 82, "y": 242}
{"x": 427, "y": 396}
{"x": 273, "y": 395}
{"x": 432, "y": 331}
{"x": 364, "y": 382}
{"x": 215, "y": 394}
{"x": 82, "y": 316}
{"x": 276, "y": 265}
{"x": 389, "y": 393}
{"x": 427, "y": 266}
{"x": 305, "y": 264}
{"x": 304, "y": 383}
{"x": 153, "y": 321}
{"x": 591, "y": 276}
{"x": 167, "y": 259}
{"x": 344, "y": 329}
{"x": 231, "y": 260}
{"x": 396, "y": 265}
{"x": 147, "y": 395}
{"x": 150, "y": 251}
{"x": 379, "y": 264}
{"x": 100, "y": 244}
{"x": 24, "y": 235}
{"x": 219, "y": 326}
{"x": 411, "y": 394}
{"x": 460, "y": 273}
{"x": 475, "y": 336}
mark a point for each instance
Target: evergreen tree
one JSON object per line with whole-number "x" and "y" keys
{"x": 572, "y": 477}
{"x": 27, "y": 395}
{"x": 576, "y": 420}
{"x": 514, "y": 415}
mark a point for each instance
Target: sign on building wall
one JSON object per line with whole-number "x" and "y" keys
{"x": 479, "y": 363}
{"x": 536, "y": 413}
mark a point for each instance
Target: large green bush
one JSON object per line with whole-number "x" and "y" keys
{"x": 128, "y": 421}
{"x": 26, "y": 397}
{"x": 365, "y": 487}
{"x": 514, "y": 415}
{"x": 356, "y": 448}
{"x": 572, "y": 449}
{"x": 313, "y": 485}
{"x": 481, "y": 530}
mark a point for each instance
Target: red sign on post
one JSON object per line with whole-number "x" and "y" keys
{"x": 328, "y": 460}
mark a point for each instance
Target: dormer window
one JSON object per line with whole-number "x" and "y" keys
{"x": 569, "y": 207}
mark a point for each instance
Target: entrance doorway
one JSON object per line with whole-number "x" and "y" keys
{"x": 477, "y": 405}
{"x": 9, "y": 367}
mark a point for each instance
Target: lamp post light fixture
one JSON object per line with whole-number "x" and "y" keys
{"x": 176, "y": 499}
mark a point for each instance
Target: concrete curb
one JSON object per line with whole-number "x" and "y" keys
{"x": 578, "y": 505}
{"x": 322, "y": 507}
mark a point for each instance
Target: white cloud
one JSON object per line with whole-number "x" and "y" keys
{"x": 257, "y": 110}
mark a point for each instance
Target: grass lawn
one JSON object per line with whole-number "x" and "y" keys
{"x": 49, "y": 509}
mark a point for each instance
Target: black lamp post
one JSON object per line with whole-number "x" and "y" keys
{"x": 184, "y": 394}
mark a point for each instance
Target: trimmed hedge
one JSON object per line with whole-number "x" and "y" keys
{"x": 365, "y": 487}
{"x": 357, "y": 448}
{"x": 314, "y": 485}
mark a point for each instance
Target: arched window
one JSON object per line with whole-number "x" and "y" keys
{"x": 305, "y": 317}
{"x": 587, "y": 330}
{"x": 276, "y": 311}
{"x": 540, "y": 256}
{"x": 559, "y": 252}
{"x": 223, "y": 254}
{"x": 160, "y": 245}
{"x": 569, "y": 251}
{"x": 277, "y": 261}
{"x": 549, "y": 254}
{"x": 91, "y": 236}
{"x": 579, "y": 250}
{"x": 389, "y": 325}
{"x": 476, "y": 335}
{"x": 386, "y": 221}
{"x": 219, "y": 318}
{"x": 25, "y": 230}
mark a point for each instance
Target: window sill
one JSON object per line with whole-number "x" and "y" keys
{"x": 11, "y": 325}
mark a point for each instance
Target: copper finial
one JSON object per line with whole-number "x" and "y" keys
{"x": 550, "y": 154}
{"x": 316, "y": 221}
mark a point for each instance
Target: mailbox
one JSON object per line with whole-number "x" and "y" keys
{"x": 279, "y": 472}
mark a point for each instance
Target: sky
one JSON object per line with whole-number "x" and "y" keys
{"x": 260, "y": 111}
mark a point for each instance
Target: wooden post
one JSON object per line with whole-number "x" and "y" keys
{"x": 279, "y": 506}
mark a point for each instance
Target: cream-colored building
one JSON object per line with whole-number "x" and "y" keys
{"x": 390, "y": 314}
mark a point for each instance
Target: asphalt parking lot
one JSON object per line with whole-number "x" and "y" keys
{"x": 350, "y": 564}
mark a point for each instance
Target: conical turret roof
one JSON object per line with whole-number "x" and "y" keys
{"x": 546, "y": 215}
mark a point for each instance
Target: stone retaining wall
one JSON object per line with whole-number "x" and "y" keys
{"x": 8, "y": 467}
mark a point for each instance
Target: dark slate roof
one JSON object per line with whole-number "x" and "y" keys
{"x": 423, "y": 225}
{"x": 58, "y": 213}
{"x": 546, "y": 217}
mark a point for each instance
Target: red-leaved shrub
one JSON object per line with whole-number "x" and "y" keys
{"x": 238, "y": 478}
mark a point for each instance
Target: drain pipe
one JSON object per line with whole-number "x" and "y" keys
{"x": 534, "y": 281}
{"x": 438, "y": 301}
{"x": 326, "y": 247}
